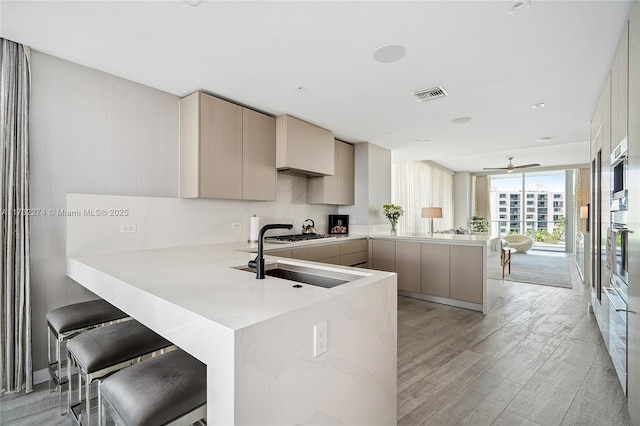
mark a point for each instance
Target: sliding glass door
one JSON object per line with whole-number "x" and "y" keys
{"x": 533, "y": 204}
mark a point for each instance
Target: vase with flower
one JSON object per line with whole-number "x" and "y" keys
{"x": 393, "y": 213}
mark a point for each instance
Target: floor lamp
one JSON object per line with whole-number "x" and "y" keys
{"x": 432, "y": 213}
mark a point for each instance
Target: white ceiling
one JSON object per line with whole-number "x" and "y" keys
{"x": 493, "y": 64}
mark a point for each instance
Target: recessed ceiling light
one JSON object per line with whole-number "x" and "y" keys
{"x": 299, "y": 88}
{"x": 193, "y": 3}
{"x": 461, "y": 120}
{"x": 518, "y": 5}
{"x": 536, "y": 106}
{"x": 389, "y": 53}
{"x": 391, "y": 134}
{"x": 543, "y": 139}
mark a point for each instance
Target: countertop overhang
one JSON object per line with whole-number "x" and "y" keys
{"x": 203, "y": 280}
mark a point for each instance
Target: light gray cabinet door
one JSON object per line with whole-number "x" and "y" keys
{"x": 434, "y": 272}
{"x": 408, "y": 266}
{"x": 258, "y": 156}
{"x": 383, "y": 255}
{"x": 465, "y": 282}
{"x": 220, "y": 148}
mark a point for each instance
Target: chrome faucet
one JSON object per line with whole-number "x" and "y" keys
{"x": 258, "y": 262}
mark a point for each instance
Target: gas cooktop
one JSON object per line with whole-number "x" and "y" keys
{"x": 296, "y": 237}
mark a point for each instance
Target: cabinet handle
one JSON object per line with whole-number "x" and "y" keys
{"x": 610, "y": 290}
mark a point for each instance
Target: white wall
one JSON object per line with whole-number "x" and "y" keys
{"x": 95, "y": 133}
{"x": 373, "y": 188}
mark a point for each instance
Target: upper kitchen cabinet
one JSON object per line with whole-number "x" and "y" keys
{"x": 620, "y": 91}
{"x": 259, "y": 174}
{"x": 303, "y": 148}
{"x": 339, "y": 188}
{"x": 226, "y": 150}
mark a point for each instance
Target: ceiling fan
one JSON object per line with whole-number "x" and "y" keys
{"x": 510, "y": 167}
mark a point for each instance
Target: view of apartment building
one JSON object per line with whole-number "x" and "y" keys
{"x": 538, "y": 210}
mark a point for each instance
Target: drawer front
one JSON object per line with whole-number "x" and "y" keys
{"x": 354, "y": 246}
{"x": 280, "y": 253}
{"x": 316, "y": 252}
{"x": 334, "y": 260}
{"x": 353, "y": 259}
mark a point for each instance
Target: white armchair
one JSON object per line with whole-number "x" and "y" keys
{"x": 522, "y": 243}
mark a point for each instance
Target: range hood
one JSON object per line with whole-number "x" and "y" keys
{"x": 303, "y": 149}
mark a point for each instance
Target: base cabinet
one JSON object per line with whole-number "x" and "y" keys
{"x": 408, "y": 266}
{"x": 465, "y": 281}
{"x": 442, "y": 272}
{"x": 383, "y": 255}
{"x": 434, "y": 276}
{"x": 346, "y": 253}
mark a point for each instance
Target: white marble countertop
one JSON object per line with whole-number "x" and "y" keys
{"x": 443, "y": 238}
{"x": 202, "y": 280}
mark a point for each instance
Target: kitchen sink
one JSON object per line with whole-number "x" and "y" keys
{"x": 306, "y": 275}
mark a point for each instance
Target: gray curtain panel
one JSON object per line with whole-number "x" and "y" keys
{"x": 15, "y": 317}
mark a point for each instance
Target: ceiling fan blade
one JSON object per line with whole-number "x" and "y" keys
{"x": 495, "y": 168}
{"x": 526, "y": 166}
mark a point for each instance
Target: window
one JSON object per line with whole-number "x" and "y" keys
{"x": 531, "y": 209}
{"x": 503, "y": 202}
{"x": 503, "y": 209}
{"x": 557, "y": 195}
{"x": 503, "y": 195}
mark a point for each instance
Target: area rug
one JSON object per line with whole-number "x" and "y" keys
{"x": 539, "y": 269}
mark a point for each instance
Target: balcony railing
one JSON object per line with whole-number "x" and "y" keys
{"x": 546, "y": 233}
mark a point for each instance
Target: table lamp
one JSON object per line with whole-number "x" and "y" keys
{"x": 432, "y": 213}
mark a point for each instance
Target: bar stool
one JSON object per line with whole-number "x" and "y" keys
{"x": 102, "y": 351}
{"x": 170, "y": 389}
{"x": 68, "y": 321}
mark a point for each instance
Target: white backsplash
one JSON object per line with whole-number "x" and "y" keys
{"x": 169, "y": 222}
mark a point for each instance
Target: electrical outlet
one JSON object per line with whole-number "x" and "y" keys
{"x": 320, "y": 339}
{"x": 236, "y": 225}
{"x": 128, "y": 229}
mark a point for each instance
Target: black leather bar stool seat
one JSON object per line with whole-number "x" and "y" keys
{"x": 167, "y": 389}
{"x": 68, "y": 321}
{"x": 101, "y": 351}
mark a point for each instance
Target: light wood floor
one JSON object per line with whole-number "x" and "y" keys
{"x": 536, "y": 359}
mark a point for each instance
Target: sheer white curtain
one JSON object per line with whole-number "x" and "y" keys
{"x": 421, "y": 184}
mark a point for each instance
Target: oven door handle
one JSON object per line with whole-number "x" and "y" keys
{"x": 608, "y": 290}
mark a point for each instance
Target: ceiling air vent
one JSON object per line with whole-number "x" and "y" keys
{"x": 429, "y": 94}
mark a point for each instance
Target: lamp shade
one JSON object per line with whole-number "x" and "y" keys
{"x": 584, "y": 212}
{"x": 432, "y": 212}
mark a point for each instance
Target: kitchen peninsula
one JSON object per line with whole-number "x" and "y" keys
{"x": 452, "y": 269}
{"x": 255, "y": 336}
